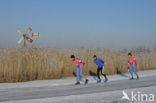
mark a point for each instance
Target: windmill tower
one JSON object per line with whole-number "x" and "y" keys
{"x": 25, "y": 37}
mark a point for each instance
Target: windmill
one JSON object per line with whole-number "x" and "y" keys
{"x": 24, "y": 37}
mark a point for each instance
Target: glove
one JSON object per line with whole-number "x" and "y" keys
{"x": 128, "y": 69}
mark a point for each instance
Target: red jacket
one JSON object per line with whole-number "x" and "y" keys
{"x": 78, "y": 62}
{"x": 132, "y": 61}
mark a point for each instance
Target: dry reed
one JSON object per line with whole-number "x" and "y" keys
{"x": 25, "y": 64}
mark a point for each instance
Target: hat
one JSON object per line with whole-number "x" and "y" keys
{"x": 72, "y": 56}
{"x": 94, "y": 56}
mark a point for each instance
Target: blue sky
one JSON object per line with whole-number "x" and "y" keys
{"x": 77, "y": 23}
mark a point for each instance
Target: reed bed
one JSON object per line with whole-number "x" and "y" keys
{"x": 26, "y": 64}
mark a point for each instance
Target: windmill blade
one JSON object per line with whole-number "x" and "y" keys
{"x": 29, "y": 39}
{"x": 19, "y": 31}
{"x": 20, "y": 40}
{"x": 28, "y": 31}
{"x": 36, "y": 35}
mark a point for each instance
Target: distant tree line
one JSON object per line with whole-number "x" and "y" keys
{"x": 140, "y": 49}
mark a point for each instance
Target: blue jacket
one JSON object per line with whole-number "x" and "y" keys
{"x": 99, "y": 62}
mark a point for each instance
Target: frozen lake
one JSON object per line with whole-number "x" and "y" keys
{"x": 64, "y": 90}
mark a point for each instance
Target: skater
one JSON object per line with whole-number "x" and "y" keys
{"x": 132, "y": 63}
{"x": 80, "y": 64}
{"x": 100, "y": 64}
